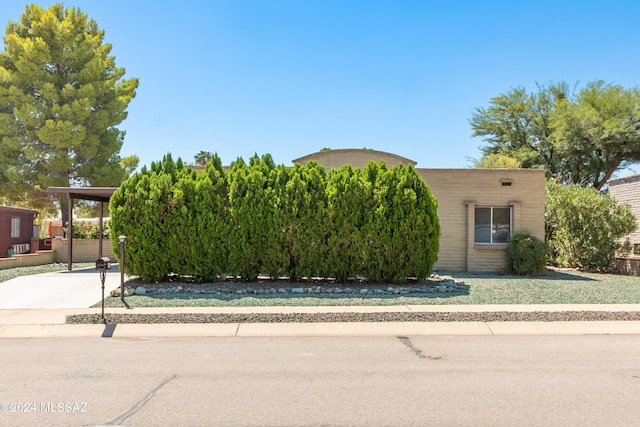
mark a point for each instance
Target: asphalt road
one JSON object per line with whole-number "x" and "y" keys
{"x": 328, "y": 381}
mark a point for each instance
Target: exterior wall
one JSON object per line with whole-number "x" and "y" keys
{"x": 628, "y": 265}
{"x": 627, "y": 190}
{"x": 84, "y": 250}
{"x": 459, "y": 191}
{"x": 28, "y": 260}
{"x": 358, "y": 158}
{"x": 26, "y": 227}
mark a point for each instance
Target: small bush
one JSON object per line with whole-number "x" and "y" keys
{"x": 527, "y": 255}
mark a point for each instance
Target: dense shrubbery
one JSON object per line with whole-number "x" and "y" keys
{"x": 297, "y": 222}
{"x": 583, "y": 227}
{"x": 527, "y": 255}
{"x": 89, "y": 230}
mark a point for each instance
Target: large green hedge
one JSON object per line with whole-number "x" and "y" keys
{"x": 261, "y": 219}
{"x": 584, "y": 228}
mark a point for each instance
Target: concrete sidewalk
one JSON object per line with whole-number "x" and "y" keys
{"x": 50, "y": 323}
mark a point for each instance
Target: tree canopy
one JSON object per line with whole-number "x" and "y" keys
{"x": 579, "y": 138}
{"x": 61, "y": 98}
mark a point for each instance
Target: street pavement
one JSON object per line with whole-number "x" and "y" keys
{"x": 37, "y": 306}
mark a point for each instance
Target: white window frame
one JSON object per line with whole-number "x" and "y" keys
{"x": 492, "y": 226}
{"x": 15, "y": 227}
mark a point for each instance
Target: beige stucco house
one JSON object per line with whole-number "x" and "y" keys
{"x": 479, "y": 209}
{"x": 627, "y": 190}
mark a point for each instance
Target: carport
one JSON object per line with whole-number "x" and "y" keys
{"x": 96, "y": 194}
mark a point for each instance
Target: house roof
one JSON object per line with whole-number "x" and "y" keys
{"x": 13, "y": 209}
{"x": 630, "y": 178}
{"x": 98, "y": 194}
{"x": 374, "y": 155}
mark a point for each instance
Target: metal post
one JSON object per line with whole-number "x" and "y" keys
{"x": 103, "y": 276}
{"x": 70, "y": 233}
{"x": 122, "y": 240}
{"x": 101, "y": 230}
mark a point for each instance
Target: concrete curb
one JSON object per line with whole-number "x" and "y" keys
{"x": 320, "y": 329}
{"x": 37, "y": 323}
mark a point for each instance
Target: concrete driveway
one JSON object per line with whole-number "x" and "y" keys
{"x": 64, "y": 289}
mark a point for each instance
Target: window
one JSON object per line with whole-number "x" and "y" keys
{"x": 15, "y": 227}
{"x": 492, "y": 225}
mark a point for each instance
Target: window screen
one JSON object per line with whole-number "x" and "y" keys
{"x": 492, "y": 225}
{"x": 15, "y": 227}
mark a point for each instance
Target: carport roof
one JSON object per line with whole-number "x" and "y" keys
{"x": 98, "y": 194}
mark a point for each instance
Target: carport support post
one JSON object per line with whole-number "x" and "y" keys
{"x": 122, "y": 240}
{"x": 70, "y": 232}
{"x": 101, "y": 230}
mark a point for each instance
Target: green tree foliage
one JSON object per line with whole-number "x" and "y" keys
{"x": 526, "y": 255}
{"x": 253, "y": 205}
{"x": 350, "y": 204}
{"x": 579, "y": 139}
{"x": 90, "y": 230}
{"x": 596, "y": 133}
{"x": 304, "y": 203}
{"x": 583, "y": 227}
{"x": 61, "y": 98}
{"x": 140, "y": 210}
{"x": 517, "y": 124}
{"x": 276, "y": 220}
{"x": 203, "y": 157}
{"x": 497, "y": 161}
{"x": 402, "y": 238}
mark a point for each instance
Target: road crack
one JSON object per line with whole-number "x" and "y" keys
{"x": 141, "y": 403}
{"x": 406, "y": 341}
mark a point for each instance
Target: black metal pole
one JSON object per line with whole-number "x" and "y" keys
{"x": 103, "y": 276}
{"x": 122, "y": 240}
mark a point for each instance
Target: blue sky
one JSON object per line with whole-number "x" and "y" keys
{"x": 289, "y": 77}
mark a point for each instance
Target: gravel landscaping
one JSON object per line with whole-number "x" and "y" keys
{"x": 558, "y": 286}
{"x": 353, "y": 317}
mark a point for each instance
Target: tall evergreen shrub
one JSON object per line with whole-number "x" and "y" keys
{"x": 404, "y": 234}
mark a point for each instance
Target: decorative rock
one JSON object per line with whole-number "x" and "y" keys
{"x": 128, "y": 292}
{"x": 282, "y": 291}
{"x": 297, "y": 290}
{"x": 141, "y": 290}
{"x": 179, "y": 289}
{"x": 364, "y": 291}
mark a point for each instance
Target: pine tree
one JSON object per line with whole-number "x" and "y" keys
{"x": 61, "y": 98}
